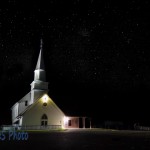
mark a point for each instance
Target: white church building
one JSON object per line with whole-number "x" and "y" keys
{"x": 36, "y": 110}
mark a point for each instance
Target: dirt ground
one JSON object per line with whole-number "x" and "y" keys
{"x": 82, "y": 139}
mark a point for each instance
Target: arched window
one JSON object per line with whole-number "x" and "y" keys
{"x": 44, "y": 116}
{"x": 44, "y": 120}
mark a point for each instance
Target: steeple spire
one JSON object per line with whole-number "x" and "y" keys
{"x": 40, "y": 62}
{"x": 39, "y": 85}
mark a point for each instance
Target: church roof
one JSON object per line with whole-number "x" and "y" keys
{"x": 36, "y": 100}
{"x": 40, "y": 62}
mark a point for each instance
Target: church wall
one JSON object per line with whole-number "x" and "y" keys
{"x": 35, "y": 94}
{"x": 22, "y": 106}
{"x": 22, "y": 103}
{"x": 15, "y": 111}
{"x": 34, "y": 114}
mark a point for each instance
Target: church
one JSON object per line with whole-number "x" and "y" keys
{"x": 36, "y": 110}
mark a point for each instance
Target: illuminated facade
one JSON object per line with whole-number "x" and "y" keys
{"x": 36, "y": 110}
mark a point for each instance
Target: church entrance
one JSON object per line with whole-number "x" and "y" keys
{"x": 44, "y": 120}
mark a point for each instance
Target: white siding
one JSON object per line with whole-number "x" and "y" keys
{"x": 34, "y": 114}
{"x": 35, "y": 94}
{"x": 15, "y": 111}
{"x": 22, "y": 106}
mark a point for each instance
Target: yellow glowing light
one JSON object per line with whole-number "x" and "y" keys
{"x": 45, "y": 99}
{"x": 66, "y": 119}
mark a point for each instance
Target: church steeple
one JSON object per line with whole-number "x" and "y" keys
{"x": 39, "y": 85}
{"x": 39, "y": 73}
{"x": 40, "y": 62}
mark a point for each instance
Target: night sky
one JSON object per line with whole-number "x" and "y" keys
{"x": 97, "y": 56}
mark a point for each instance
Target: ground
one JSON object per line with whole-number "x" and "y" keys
{"x": 83, "y": 139}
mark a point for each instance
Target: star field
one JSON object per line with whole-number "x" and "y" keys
{"x": 90, "y": 47}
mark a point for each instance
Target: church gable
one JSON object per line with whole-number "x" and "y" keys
{"x": 44, "y": 105}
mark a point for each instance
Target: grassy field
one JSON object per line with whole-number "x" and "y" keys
{"x": 94, "y": 139}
